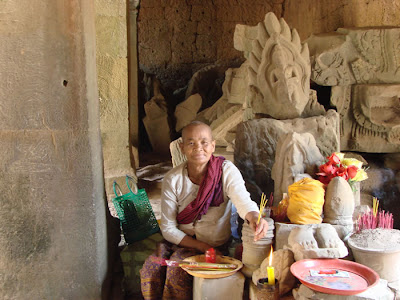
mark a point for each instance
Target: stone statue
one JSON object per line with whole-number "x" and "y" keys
{"x": 369, "y": 117}
{"x": 278, "y": 67}
{"x": 355, "y": 56}
{"x": 339, "y": 203}
{"x": 316, "y": 241}
{"x": 296, "y": 154}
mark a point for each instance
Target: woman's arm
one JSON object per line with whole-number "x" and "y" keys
{"x": 247, "y": 209}
{"x": 189, "y": 242}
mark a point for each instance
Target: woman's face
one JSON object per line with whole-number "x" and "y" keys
{"x": 198, "y": 144}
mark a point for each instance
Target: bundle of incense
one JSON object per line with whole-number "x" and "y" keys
{"x": 201, "y": 266}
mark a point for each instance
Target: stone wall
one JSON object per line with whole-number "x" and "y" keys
{"x": 53, "y": 240}
{"x": 309, "y": 16}
{"x": 112, "y": 74}
{"x": 178, "y": 37}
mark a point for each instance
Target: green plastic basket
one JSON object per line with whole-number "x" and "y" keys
{"x": 135, "y": 213}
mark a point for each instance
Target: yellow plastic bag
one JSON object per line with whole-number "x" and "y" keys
{"x": 306, "y": 201}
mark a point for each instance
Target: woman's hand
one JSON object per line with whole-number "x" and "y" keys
{"x": 260, "y": 229}
{"x": 189, "y": 242}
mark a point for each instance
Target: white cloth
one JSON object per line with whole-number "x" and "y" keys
{"x": 214, "y": 227}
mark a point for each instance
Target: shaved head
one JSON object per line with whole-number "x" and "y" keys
{"x": 192, "y": 125}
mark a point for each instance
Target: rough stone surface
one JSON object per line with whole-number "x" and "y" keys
{"x": 316, "y": 241}
{"x": 379, "y": 291}
{"x": 182, "y": 21}
{"x": 283, "y": 230}
{"x": 175, "y": 37}
{"x": 281, "y": 261}
{"x": 256, "y": 141}
{"x": 177, "y": 156}
{"x": 369, "y": 118}
{"x": 186, "y": 111}
{"x": 339, "y": 203}
{"x": 345, "y": 57}
{"x": 278, "y": 67}
{"x": 157, "y": 123}
{"x": 312, "y": 17}
{"x": 295, "y": 154}
{"x": 53, "y": 239}
{"x": 112, "y": 77}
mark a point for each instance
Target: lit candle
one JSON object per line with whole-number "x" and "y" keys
{"x": 271, "y": 271}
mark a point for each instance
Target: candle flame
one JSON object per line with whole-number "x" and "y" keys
{"x": 270, "y": 256}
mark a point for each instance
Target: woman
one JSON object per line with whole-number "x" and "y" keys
{"x": 196, "y": 201}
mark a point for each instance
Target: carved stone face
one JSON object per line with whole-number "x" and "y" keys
{"x": 285, "y": 82}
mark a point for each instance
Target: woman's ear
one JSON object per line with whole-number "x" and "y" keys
{"x": 213, "y": 144}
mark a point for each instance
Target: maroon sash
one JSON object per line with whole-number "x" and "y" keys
{"x": 210, "y": 193}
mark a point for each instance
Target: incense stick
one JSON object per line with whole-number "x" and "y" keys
{"x": 262, "y": 205}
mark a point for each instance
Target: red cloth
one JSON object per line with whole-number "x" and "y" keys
{"x": 210, "y": 193}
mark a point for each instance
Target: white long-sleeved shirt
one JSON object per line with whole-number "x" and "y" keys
{"x": 213, "y": 227}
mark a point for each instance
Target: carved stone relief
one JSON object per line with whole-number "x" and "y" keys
{"x": 278, "y": 67}
{"x": 355, "y": 56}
{"x": 256, "y": 142}
{"x": 295, "y": 154}
{"x": 369, "y": 117}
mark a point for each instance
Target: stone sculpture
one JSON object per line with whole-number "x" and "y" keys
{"x": 339, "y": 204}
{"x": 273, "y": 81}
{"x": 316, "y": 241}
{"x": 157, "y": 124}
{"x": 278, "y": 67}
{"x": 256, "y": 142}
{"x": 186, "y": 111}
{"x": 296, "y": 154}
{"x": 355, "y": 56}
{"x": 361, "y": 65}
{"x": 177, "y": 155}
{"x": 369, "y": 117}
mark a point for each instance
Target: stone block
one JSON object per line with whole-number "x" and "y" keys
{"x": 256, "y": 141}
{"x": 233, "y": 14}
{"x": 225, "y": 123}
{"x": 254, "y": 12}
{"x": 368, "y": 117}
{"x": 230, "y": 287}
{"x": 344, "y": 57}
{"x": 176, "y": 154}
{"x": 202, "y": 13}
{"x": 179, "y": 14}
{"x": 295, "y": 154}
{"x": 204, "y": 27}
{"x": 151, "y": 13}
{"x": 316, "y": 241}
{"x": 282, "y": 231}
{"x": 184, "y": 56}
{"x": 206, "y": 49}
{"x": 186, "y": 111}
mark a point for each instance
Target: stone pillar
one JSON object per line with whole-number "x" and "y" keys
{"x": 112, "y": 72}
{"x": 133, "y": 84}
{"x": 53, "y": 239}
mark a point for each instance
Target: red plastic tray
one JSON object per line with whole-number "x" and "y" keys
{"x": 360, "y": 277}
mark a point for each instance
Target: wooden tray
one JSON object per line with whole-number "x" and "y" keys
{"x": 213, "y": 274}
